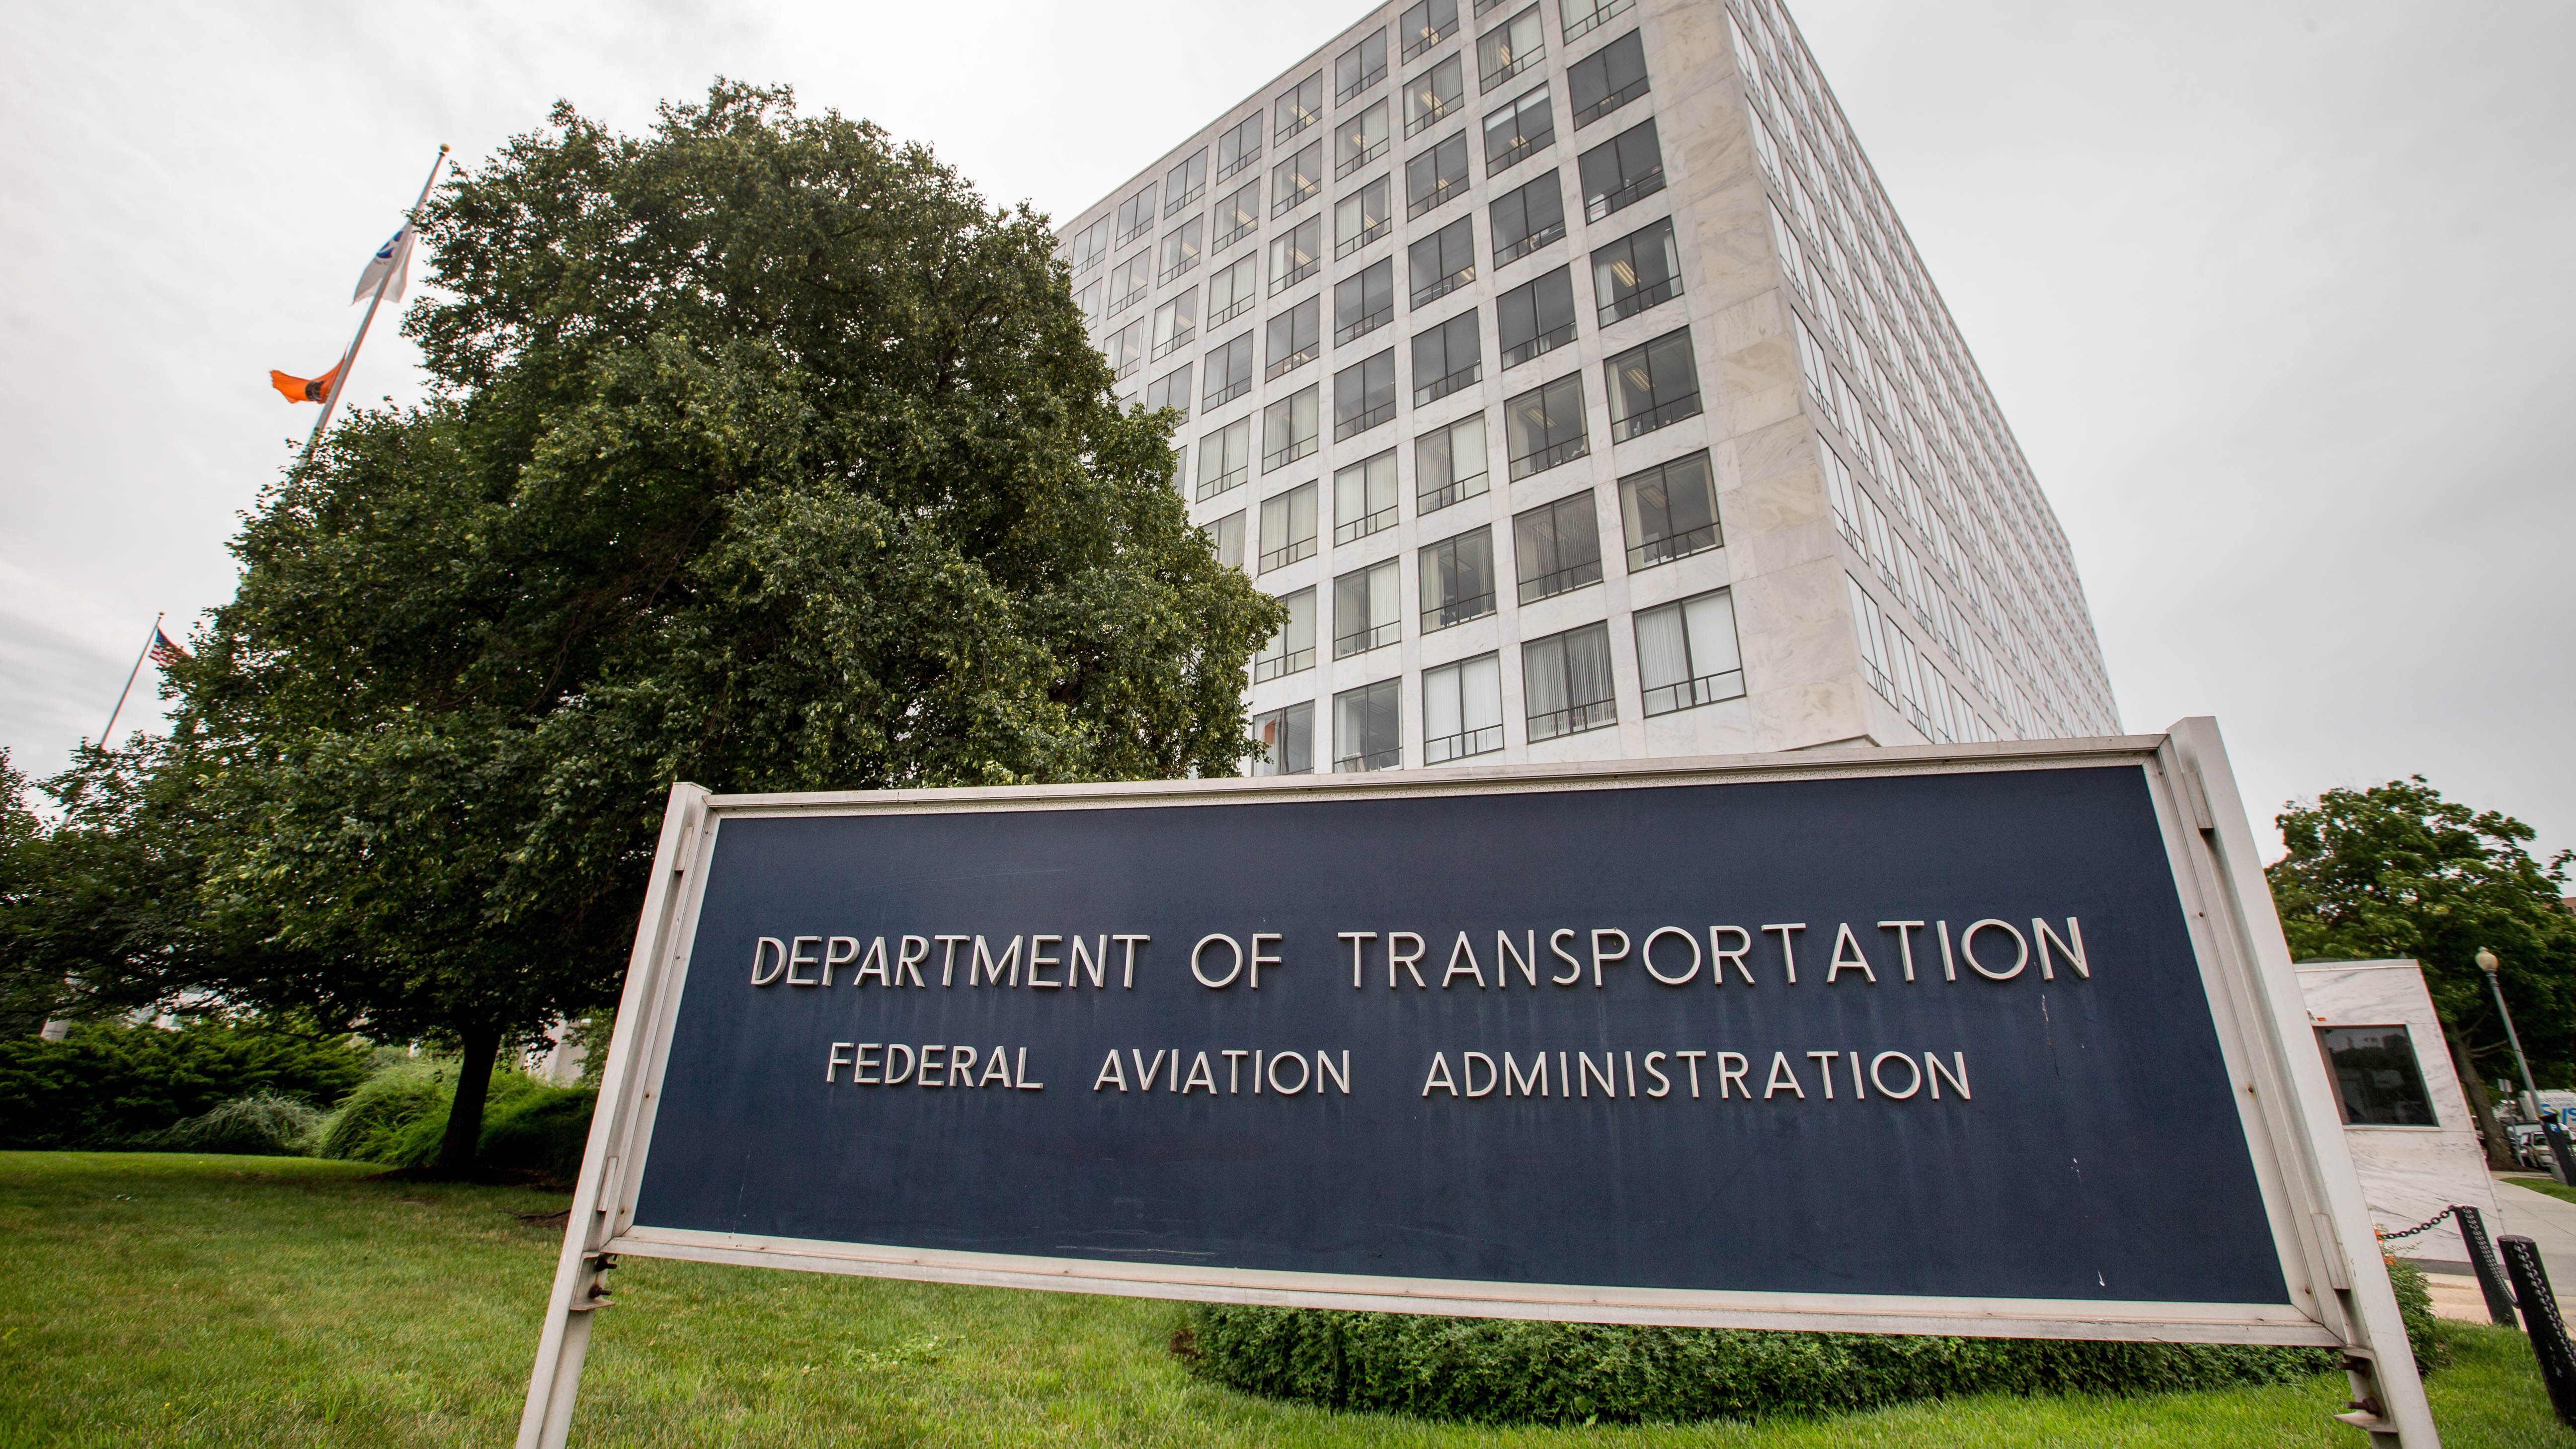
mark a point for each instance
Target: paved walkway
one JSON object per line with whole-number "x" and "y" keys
{"x": 2549, "y": 1222}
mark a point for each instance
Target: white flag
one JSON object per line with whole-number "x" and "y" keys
{"x": 393, "y": 257}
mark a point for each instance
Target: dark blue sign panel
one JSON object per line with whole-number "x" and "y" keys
{"x": 1936, "y": 1035}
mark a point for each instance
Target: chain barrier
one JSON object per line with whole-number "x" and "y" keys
{"x": 2425, "y": 1226}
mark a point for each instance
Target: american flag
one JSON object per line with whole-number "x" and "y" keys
{"x": 164, "y": 652}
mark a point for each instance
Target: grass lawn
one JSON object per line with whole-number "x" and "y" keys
{"x": 183, "y": 1299}
{"x": 2549, "y": 1185}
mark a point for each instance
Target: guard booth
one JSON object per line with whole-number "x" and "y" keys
{"x": 2406, "y": 1120}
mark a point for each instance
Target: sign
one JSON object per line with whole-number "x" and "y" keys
{"x": 1878, "y": 1040}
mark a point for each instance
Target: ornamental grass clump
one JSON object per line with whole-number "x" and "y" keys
{"x": 263, "y": 1124}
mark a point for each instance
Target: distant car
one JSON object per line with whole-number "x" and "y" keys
{"x": 2530, "y": 1147}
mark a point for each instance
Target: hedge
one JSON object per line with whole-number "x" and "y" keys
{"x": 107, "y": 1085}
{"x": 1498, "y": 1371}
{"x": 399, "y": 1118}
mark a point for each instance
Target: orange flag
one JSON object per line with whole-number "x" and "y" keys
{"x": 305, "y": 389}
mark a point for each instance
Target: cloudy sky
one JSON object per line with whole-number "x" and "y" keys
{"x": 2275, "y": 295}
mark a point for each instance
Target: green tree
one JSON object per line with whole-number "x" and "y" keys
{"x": 763, "y": 453}
{"x": 2396, "y": 870}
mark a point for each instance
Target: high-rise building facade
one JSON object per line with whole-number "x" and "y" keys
{"x": 1563, "y": 367}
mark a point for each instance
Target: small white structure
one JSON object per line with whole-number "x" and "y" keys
{"x": 2413, "y": 1139}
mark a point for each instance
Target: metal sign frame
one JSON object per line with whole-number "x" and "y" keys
{"x": 2328, "y": 1252}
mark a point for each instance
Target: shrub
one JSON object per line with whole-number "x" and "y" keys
{"x": 399, "y": 1118}
{"x": 1502, "y": 1371}
{"x": 2415, "y": 1304}
{"x": 371, "y": 1126}
{"x": 109, "y": 1085}
{"x": 263, "y": 1125}
{"x": 540, "y": 1129}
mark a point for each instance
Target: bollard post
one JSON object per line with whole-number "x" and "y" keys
{"x": 2540, "y": 1320}
{"x": 2482, "y": 1261}
{"x": 2562, "y": 1156}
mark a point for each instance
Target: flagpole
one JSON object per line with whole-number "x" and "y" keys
{"x": 348, "y": 359}
{"x": 109, "y": 733}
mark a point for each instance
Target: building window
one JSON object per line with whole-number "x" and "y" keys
{"x": 1608, "y": 78}
{"x": 1186, "y": 182}
{"x": 1288, "y": 430}
{"x": 1640, "y": 270}
{"x": 1293, "y": 648}
{"x": 1171, "y": 390}
{"x": 1652, "y": 386}
{"x": 1426, "y": 25}
{"x": 1527, "y": 218}
{"x": 1670, "y": 511}
{"x": 1622, "y": 171}
{"x": 1361, "y": 66}
{"x": 1225, "y": 458}
{"x": 1364, "y": 498}
{"x": 1519, "y": 130}
{"x": 1687, "y": 654}
{"x": 1536, "y": 317}
{"x": 1129, "y": 283}
{"x": 1360, "y": 140}
{"x": 1364, "y": 301}
{"x": 2377, "y": 1079}
{"x": 1239, "y": 147}
{"x": 1229, "y": 373}
{"x": 1090, "y": 247}
{"x": 1296, "y": 337}
{"x": 1088, "y": 300}
{"x": 1565, "y": 681}
{"x": 1556, "y": 547}
{"x": 1366, "y": 614}
{"x": 1225, "y": 535}
{"x": 1176, "y": 322}
{"x": 1238, "y": 215}
{"x": 1462, "y": 709}
{"x": 1232, "y": 291}
{"x": 1362, "y": 217}
{"x": 1442, "y": 262}
{"x": 1434, "y": 95}
{"x": 1510, "y": 48}
{"x": 1287, "y": 739}
{"x": 1580, "y": 16}
{"x": 1126, "y": 348}
{"x": 1544, "y": 426}
{"x": 1363, "y": 395}
{"x": 1457, "y": 576}
{"x": 1296, "y": 179}
{"x": 1866, "y": 628}
{"x": 1181, "y": 248}
{"x": 1288, "y": 529}
{"x": 1449, "y": 464}
{"x": 1436, "y": 176}
{"x": 1367, "y": 727}
{"x": 1135, "y": 215}
{"x": 1446, "y": 358}
{"x": 1296, "y": 254}
{"x": 1300, "y": 106}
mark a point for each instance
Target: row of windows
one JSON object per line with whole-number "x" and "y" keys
{"x": 1687, "y": 655}
{"x": 1652, "y": 385}
{"x": 1667, "y": 512}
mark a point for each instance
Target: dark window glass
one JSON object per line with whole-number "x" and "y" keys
{"x": 1607, "y": 79}
{"x": 1519, "y": 130}
{"x": 1687, "y": 654}
{"x": 1367, "y": 727}
{"x": 1239, "y": 147}
{"x": 1565, "y": 681}
{"x": 1442, "y": 262}
{"x": 1582, "y": 15}
{"x": 1300, "y": 106}
{"x": 1435, "y": 176}
{"x": 1288, "y": 431}
{"x": 1364, "y": 499}
{"x": 1293, "y": 647}
{"x": 1225, "y": 458}
{"x": 1180, "y": 249}
{"x": 1535, "y": 317}
{"x": 1294, "y": 180}
{"x": 1557, "y": 547}
{"x": 1670, "y": 511}
{"x": 1364, "y": 301}
{"x": 1361, "y": 66}
{"x": 1638, "y": 271}
{"x": 1545, "y": 426}
{"x": 1366, "y": 614}
{"x": 1363, "y": 395}
{"x": 1288, "y": 528}
{"x": 1136, "y": 215}
{"x": 1528, "y": 217}
{"x": 1186, "y": 182}
{"x": 1510, "y": 48}
{"x": 2377, "y": 1080}
{"x": 1360, "y": 140}
{"x": 1457, "y": 578}
{"x": 1296, "y": 337}
{"x": 1287, "y": 740}
{"x": 1621, "y": 171}
{"x": 1229, "y": 372}
{"x": 1296, "y": 254}
{"x": 1446, "y": 358}
{"x": 1652, "y": 386}
{"x": 1427, "y": 24}
{"x": 1432, "y": 96}
{"x": 1238, "y": 215}
{"x": 1171, "y": 390}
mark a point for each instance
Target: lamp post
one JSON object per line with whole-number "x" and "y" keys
{"x": 2488, "y": 963}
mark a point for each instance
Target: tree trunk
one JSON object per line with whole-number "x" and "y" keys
{"x": 473, "y": 1088}
{"x": 2499, "y": 1146}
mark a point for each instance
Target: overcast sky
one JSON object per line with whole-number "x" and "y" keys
{"x": 2276, "y": 297}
